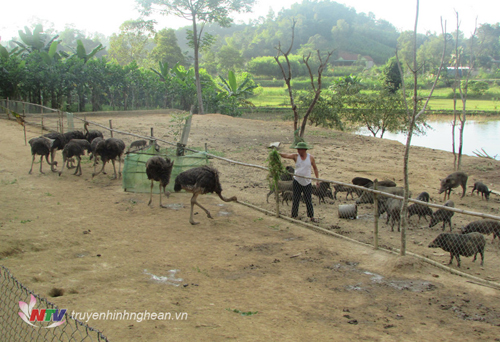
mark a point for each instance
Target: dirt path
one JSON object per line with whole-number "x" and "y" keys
{"x": 109, "y": 251}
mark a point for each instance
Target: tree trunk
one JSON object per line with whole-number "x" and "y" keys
{"x": 196, "y": 65}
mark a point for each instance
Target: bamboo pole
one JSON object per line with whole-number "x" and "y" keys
{"x": 8, "y": 110}
{"x": 24, "y": 124}
{"x": 62, "y": 122}
{"x": 375, "y": 215}
{"x": 277, "y": 197}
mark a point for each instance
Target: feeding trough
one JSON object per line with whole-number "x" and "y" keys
{"x": 348, "y": 211}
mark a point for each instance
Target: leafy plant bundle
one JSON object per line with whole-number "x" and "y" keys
{"x": 276, "y": 168}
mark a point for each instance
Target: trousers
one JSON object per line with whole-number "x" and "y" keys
{"x": 298, "y": 190}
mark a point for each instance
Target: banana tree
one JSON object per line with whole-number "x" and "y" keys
{"x": 239, "y": 92}
{"x": 12, "y": 73}
{"x": 165, "y": 74}
{"x": 34, "y": 41}
{"x": 4, "y": 53}
{"x": 81, "y": 52}
{"x": 185, "y": 81}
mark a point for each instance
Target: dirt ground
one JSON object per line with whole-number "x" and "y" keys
{"x": 243, "y": 275}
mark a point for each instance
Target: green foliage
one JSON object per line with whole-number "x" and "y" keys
{"x": 82, "y": 53}
{"x": 325, "y": 112}
{"x": 229, "y": 59}
{"x": 271, "y": 83}
{"x": 130, "y": 45}
{"x": 34, "y": 41}
{"x": 235, "y": 95}
{"x": 276, "y": 168}
{"x": 391, "y": 76}
{"x": 177, "y": 123}
{"x": 267, "y": 66}
{"x": 378, "y": 111}
{"x": 477, "y": 87}
{"x": 167, "y": 49}
{"x": 247, "y": 313}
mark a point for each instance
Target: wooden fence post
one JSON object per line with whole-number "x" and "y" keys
{"x": 375, "y": 215}
{"x": 111, "y": 126}
{"x": 8, "y": 109}
{"x": 24, "y": 124}
{"x": 62, "y": 121}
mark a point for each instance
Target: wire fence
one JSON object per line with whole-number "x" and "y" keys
{"x": 439, "y": 234}
{"x": 13, "y": 328}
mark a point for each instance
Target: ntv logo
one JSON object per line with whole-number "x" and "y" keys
{"x": 30, "y": 315}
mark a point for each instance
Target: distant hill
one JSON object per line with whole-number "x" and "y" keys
{"x": 324, "y": 25}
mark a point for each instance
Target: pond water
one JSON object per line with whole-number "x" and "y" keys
{"x": 478, "y": 134}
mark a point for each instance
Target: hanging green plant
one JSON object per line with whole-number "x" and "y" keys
{"x": 276, "y": 168}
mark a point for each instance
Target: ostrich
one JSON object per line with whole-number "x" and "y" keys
{"x": 93, "y": 146}
{"x": 110, "y": 149}
{"x": 92, "y": 134}
{"x": 85, "y": 147}
{"x": 199, "y": 181}
{"x": 41, "y": 146}
{"x": 68, "y": 136}
{"x": 58, "y": 144}
{"x": 75, "y": 148}
{"x": 73, "y": 135}
{"x": 159, "y": 169}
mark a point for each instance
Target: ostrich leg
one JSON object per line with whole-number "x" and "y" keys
{"x": 78, "y": 167}
{"x": 151, "y": 193}
{"x": 62, "y": 169}
{"x": 52, "y": 157}
{"x": 32, "y": 162}
{"x": 95, "y": 174}
{"x": 193, "y": 202}
{"x": 114, "y": 169}
{"x": 120, "y": 166}
{"x": 41, "y": 163}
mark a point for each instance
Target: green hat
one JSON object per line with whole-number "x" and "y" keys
{"x": 303, "y": 146}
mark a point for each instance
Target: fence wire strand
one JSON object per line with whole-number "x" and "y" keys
{"x": 13, "y": 328}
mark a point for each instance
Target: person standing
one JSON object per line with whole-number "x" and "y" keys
{"x": 303, "y": 163}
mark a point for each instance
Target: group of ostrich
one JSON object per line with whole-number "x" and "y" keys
{"x": 73, "y": 145}
{"x": 198, "y": 181}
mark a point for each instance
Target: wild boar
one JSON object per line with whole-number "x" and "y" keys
{"x": 486, "y": 227}
{"x": 483, "y": 189}
{"x": 461, "y": 244}
{"x": 367, "y": 197}
{"x": 452, "y": 181}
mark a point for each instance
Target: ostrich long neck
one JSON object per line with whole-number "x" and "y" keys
{"x": 231, "y": 199}
{"x": 47, "y": 159}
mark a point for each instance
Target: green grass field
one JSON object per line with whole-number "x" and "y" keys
{"x": 277, "y": 97}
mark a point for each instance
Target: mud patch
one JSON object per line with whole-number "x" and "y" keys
{"x": 264, "y": 248}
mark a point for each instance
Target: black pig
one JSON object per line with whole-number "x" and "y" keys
{"x": 483, "y": 189}
{"x": 458, "y": 244}
{"x": 484, "y": 227}
{"x": 452, "y": 181}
